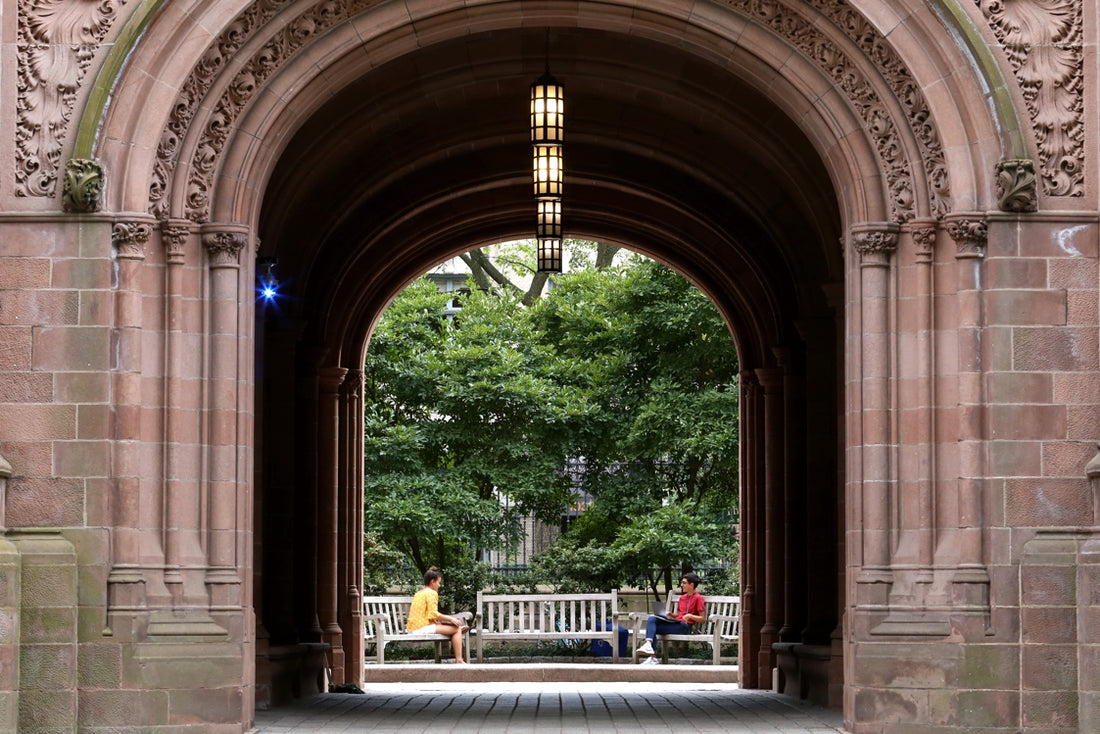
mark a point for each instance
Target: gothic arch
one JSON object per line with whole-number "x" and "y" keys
{"x": 848, "y": 130}
{"x": 887, "y": 77}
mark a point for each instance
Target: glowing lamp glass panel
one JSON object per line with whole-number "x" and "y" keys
{"x": 547, "y": 111}
{"x": 549, "y": 221}
{"x": 549, "y": 255}
{"x": 548, "y": 171}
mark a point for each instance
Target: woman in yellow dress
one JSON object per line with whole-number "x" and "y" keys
{"x": 424, "y": 614}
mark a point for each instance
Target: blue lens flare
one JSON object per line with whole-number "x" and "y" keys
{"x": 268, "y": 291}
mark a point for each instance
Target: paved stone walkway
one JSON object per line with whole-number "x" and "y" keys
{"x": 392, "y": 708}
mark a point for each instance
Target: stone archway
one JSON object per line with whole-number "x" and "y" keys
{"x": 854, "y": 189}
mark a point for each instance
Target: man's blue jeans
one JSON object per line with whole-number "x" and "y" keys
{"x": 654, "y": 627}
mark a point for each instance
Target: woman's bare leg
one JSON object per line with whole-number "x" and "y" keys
{"x": 456, "y": 638}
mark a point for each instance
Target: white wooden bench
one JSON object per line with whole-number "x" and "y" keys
{"x": 721, "y": 627}
{"x": 502, "y": 617}
{"x": 384, "y": 620}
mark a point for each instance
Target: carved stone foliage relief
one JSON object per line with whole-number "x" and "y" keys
{"x": 56, "y": 42}
{"x": 774, "y": 14}
{"x": 246, "y": 82}
{"x": 831, "y": 59}
{"x": 1043, "y": 42}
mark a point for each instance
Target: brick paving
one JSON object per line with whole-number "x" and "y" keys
{"x": 390, "y": 708}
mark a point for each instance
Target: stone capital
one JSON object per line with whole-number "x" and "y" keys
{"x": 224, "y": 247}
{"x": 875, "y": 243}
{"x": 770, "y": 378}
{"x": 130, "y": 238}
{"x": 970, "y": 233}
{"x": 353, "y": 384}
{"x": 174, "y": 234}
{"x": 331, "y": 378}
{"x": 923, "y": 233}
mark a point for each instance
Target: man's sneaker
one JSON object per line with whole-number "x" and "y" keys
{"x": 651, "y": 661}
{"x": 646, "y": 649}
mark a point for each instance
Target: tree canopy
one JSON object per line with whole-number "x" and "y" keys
{"x": 623, "y": 370}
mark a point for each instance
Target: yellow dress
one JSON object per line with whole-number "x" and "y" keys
{"x": 424, "y": 609}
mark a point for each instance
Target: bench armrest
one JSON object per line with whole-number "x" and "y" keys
{"x": 379, "y": 621}
{"x": 637, "y": 623}
{"x": 716, "y": 624}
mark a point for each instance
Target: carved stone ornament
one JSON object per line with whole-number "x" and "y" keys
{"x": 129, "y": 239}
{"x": 57, "y": 40}
{"x": 785, "y": 19}
{"x": 1016, "y": 186}
{"x": 906, "y": 91}
{"x": 287, "y": 41}
{"x": 970, "y": 236}
{"x": 174, "y": 234}
{"x": 223, "y": 247}
{"x": 875, "y": 246}
{"x": 1043, "y": 40}
{"x": 924, "y": 238}
{"x": 83, "y": 188}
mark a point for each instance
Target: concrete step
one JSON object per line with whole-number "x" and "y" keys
{"x": 420, "y": 672}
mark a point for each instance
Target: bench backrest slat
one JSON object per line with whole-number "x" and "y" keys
{"x": 726, "y": 606}
{"x": 395, "y": 609}
{"x": 546, "y": 612}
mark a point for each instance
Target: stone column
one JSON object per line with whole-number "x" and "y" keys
{"x": 971, "y": 579}
{"x": 771, "y": 379}
{"x": 134, "y": 581}
{"x": 875, "y": 244}
{"x": 351, "y": 503}
{"x": 186, "y": 560}
{"x": 916, "y": 519}
{"x": 751, "y": 512}
{"x": 911, "y": 560}
{"x": 328, "y": 513}
{"x": 223, "y": 248}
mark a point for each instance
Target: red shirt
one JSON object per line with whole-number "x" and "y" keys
{"x": 690, "y": 604}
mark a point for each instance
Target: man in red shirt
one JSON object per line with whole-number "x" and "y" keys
{"x": 690, "y": 609}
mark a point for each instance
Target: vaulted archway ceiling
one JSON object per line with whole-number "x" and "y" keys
{"x": 666, "y": 153}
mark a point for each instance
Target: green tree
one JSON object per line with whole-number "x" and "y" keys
{"x": 661, "y": 456}
{"x": 466, "y": 427}
{"x": 470, "y": 420}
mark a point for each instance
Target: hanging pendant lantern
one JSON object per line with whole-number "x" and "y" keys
{"x": 547, "y": 111}
{"x": 547, "y": 135}
{"x": 548, "y": 171}
{"x": 549, "y": 255}
{"x": 549, "y": 220}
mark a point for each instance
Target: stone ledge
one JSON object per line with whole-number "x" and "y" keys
{"x": 548, "y": 673}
